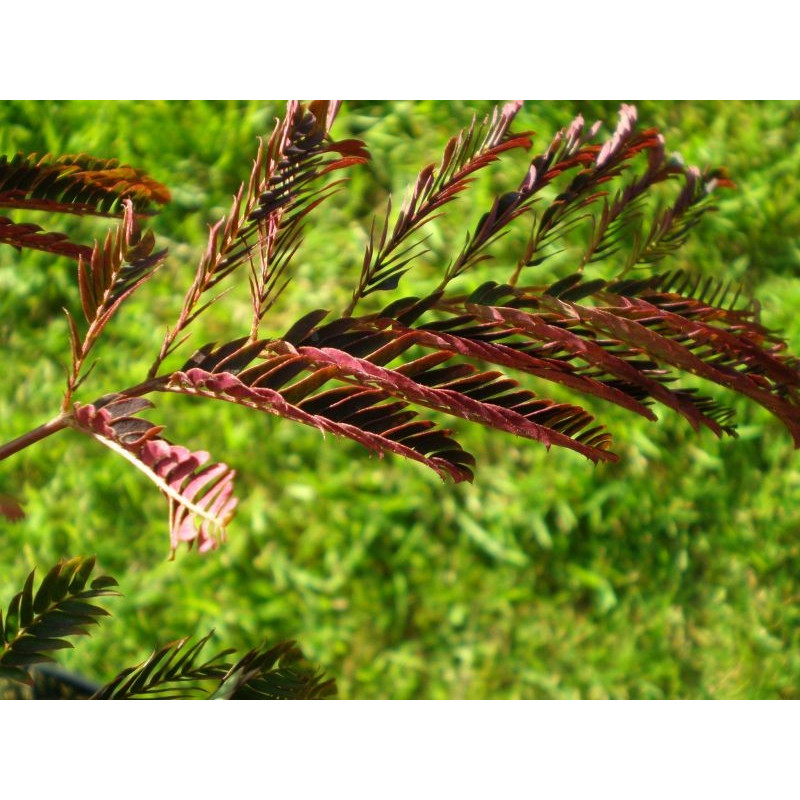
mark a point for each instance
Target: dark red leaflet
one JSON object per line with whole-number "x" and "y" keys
{"x": 449, "y": 401}
{"x": 224, "y": 386}
{"x": 673, "y": 353}
{"x": 595, "y": 355}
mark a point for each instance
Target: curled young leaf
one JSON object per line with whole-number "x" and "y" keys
{"x": 200, "y": 495}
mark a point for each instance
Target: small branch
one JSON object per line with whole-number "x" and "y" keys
{"x": 63, "y": 420}
{"x": 33, "y": 436}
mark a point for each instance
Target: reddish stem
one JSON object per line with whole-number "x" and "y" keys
{"x": 63, "y": 421}
{"x": 33, "y": 436}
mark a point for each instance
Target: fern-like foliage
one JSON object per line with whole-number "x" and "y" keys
{"x": 76, "y": 184}
{"x": 172, "y": 672}
{"x": 274, "y": 672}
{"x": 20, "y": 235}
{"x": 176, "y": 671}
{"x": 36, "y": 624}
{"x": 200, "y": 496}
{"x": 384, "y": 378}
{"x": 39, "y": 623}
{"x": 106, "y": 277}
{"x": 265, "y": 223}
{"x": 472, "y": 150}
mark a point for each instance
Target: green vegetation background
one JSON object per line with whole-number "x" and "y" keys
{"x": 673, "y": 574}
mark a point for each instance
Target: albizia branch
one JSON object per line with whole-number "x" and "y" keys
{"x": 392, "y": 380}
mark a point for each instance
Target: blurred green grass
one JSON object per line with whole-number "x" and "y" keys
{"x": 672, "y": 574}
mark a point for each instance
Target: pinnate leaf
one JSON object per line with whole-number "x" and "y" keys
{"x": 37, "y": 624}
